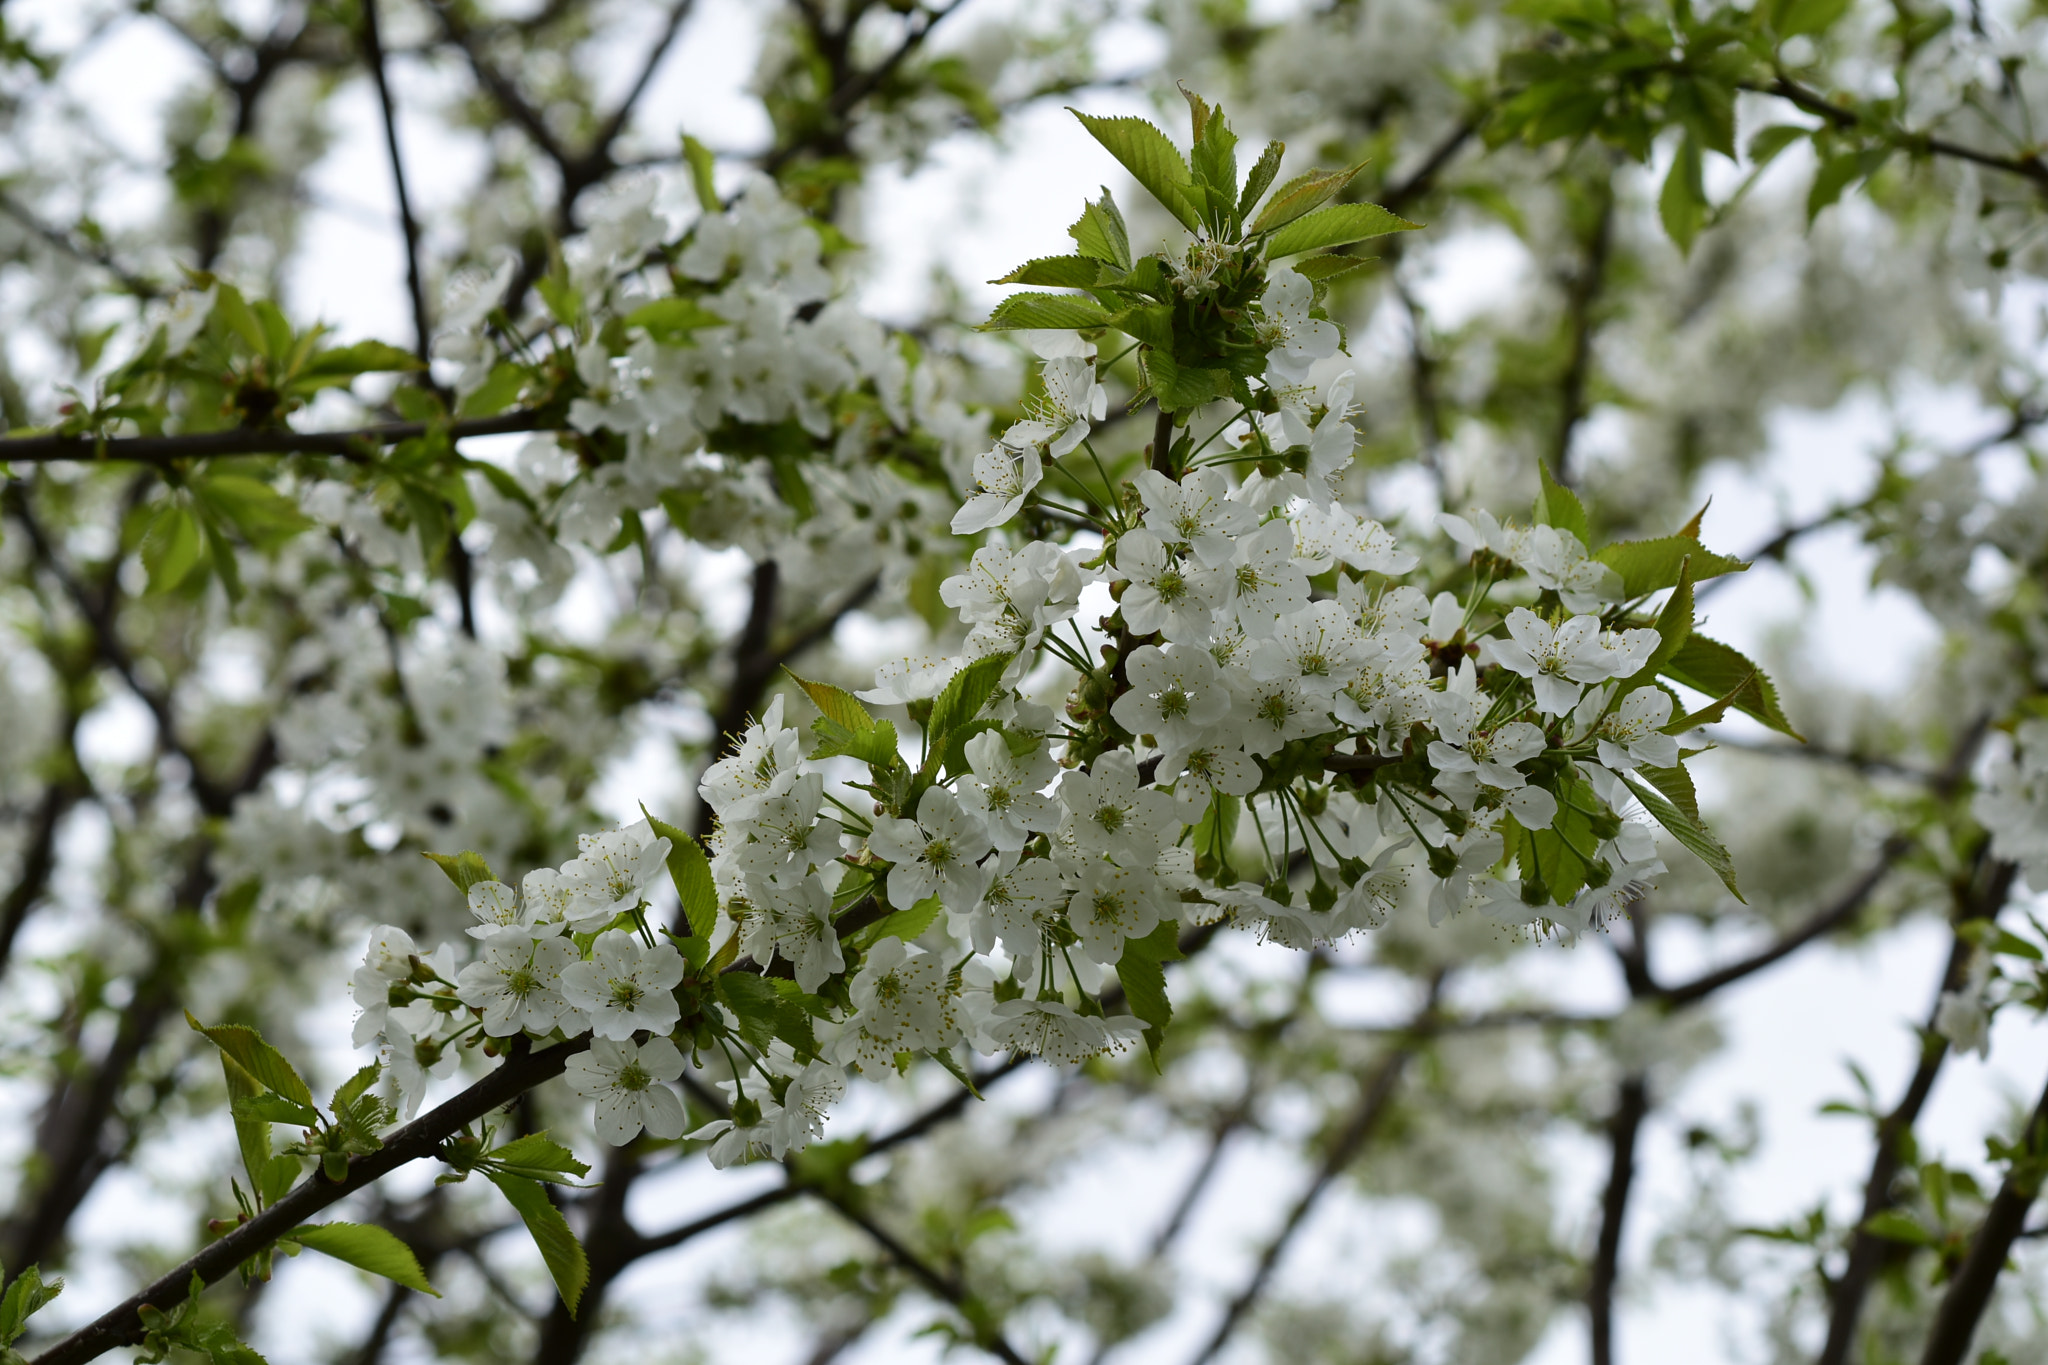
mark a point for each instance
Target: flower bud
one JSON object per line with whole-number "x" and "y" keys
{"x": 1443, "y": 861}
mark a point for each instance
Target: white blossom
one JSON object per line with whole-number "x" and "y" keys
{"x": 629, "y": 1084}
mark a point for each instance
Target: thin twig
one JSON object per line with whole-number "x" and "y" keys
{"x": 358, "y": 443}
{"x": 373, "y": 56}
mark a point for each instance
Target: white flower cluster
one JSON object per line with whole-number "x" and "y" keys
{"x": 1262, "y": 660}
{"x": 2012, "y": 803}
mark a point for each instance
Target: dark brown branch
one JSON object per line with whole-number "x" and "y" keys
{"x": 987, "y": 1334}
{"x": 1969, "y": 1293}
{"x": 359, "y": 444}
{"x": 1869, "y": 1253}
{"x": 373, "y": 57}
{"x": 1374, "y": 1095}
{"x": 122, "y": 1325}
{"x": 1844, "y": 908}
{"x": 609, "y": 1241}
{"x": 2027, "y": 165}
{"x": 83, "y": 249}
{"x": 1631, "y": 1106}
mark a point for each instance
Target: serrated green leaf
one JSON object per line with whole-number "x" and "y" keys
{"x": 233, "y": 311}
{"x": 1056, "y": 272}
{"x": 465, "y": 869}
{"x": 264, "y": 1063}
{"x": 835, "y": 704}
{"x": 497, "y": 393}
{"x": 1674, "y": 628}
{"x": 1061, "y": 312}
{"x": 1558, "y": 506}
{"x": 274, "y": 1108}
{"x": 1262, "y": 175}
{"x": 1150, "y": 323}
{"x": 1100, "y": 232}
{"x": 1324, "y": 269}
{"x": 1301, "y": 196}
{"x": 1142, "y": 973}
{"x": 753, "y": 1003}
{"x": 963, "y": 697}
{"x": 537, "y": 1157}
{"x": 26, "y": 1294}
{"x": 875, "y": 747}
{"x": 1688, "y": 831}
{"x": 366, "y": 1247}
{"x": 559, "y": 1248}
{"x": 906, "y": 923}
{"x": 1179, "y": 388}
{"x": 1648, "y": 566}
{"x": 690, "y": 870}
{"x": 353, "y": 1089}
{"x": 1711, "y": 667}
{"x": 1153, "y": 161}
{"x": 1335, "y": 226}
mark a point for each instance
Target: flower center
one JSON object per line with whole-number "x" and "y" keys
{"x": 1171, "y": 586}
{"x": 1275, "y": 709}
{"x": 1247, "y": 579}
{"x": 627, "y": 995}
{"x": 1173, "y": 703}
{"x": 939, "y": 852}
{"x": 632, "y": 1076}
{"x": 1110, "y": 818}
{"x": 521, "y": 983}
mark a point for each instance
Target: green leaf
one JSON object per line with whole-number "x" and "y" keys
{"x": 172, "y": 546}
{"x": 1179, "y": 388}
{"x": 690, "y": 870}
{"x": 1323, "y": 269}
{"x": 1648, "y": 566}
{"x": 280, "y": 1173}
{"x": 1768, "y": 142}
{"x": 875, "y": 747}
{"x": 754, "y": 1003}
{"x": 26, "y": 1293}
{"x": 1061, "y": 312}
{"x": 1302, "y": 195}
{"x": 1142, "y": 972}
{"x": 1263, "y": 172}
{"x": 233, "y": 311}
{"x": 465, "y": 869}
{"x": 1682, "y": 203}
{"x": 670, "y": 321}
{"x": 558, "y": 1245}
{"x": 1056, "y": 272}
{"x": 2007, "y": 942}
{"x": 1150, "y": 323}
{"x": 1336, "y": 226}
{"x": 1895, "y": 1225}
{"x": 1558, "y": 506}
{"x": 353, "y": 1089}
{"x": 701, "y": 164}
{"x": 905, "y": 924}
{"x": 1152, "y": 160}
{"x": 1101, "y": 234}
{"x": 1689, "y": 832}
{"x": 836, "y": 704}
{"x": 366, "y": 1247}
{"x": 1713, "y": 668}
{"x": 1836, "y": 173}
{"x": 1674, "y": 628}
{"x": 264, "y": 1063}
{"x": 274, "y": 1108}
{"x": 536, "y": 1157}
{"x": 1794, "y": 17}
{"x": 962, "y": 698}
{"x": 497, "y": 393}
{"x": 266, "y": 518}
{"x": 365, "y": 357}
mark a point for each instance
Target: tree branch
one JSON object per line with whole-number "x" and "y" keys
{"x": 1374, "y": 1096}
{"x": 1969, "y": 1293}
{"x": 1632, "y": 1105}
{"x": 1845, "y": 908}
{"x": 1582, "y": 294}
{"x": 122, "y": 1325}
{"x": 358, "y": 444}
{"x": 373, "y": 57}
{"x": 1868, "y": 1253}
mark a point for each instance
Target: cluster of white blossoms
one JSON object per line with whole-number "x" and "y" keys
{"x": 1269, "y": 728}
{"x": 2012, "y": 803}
